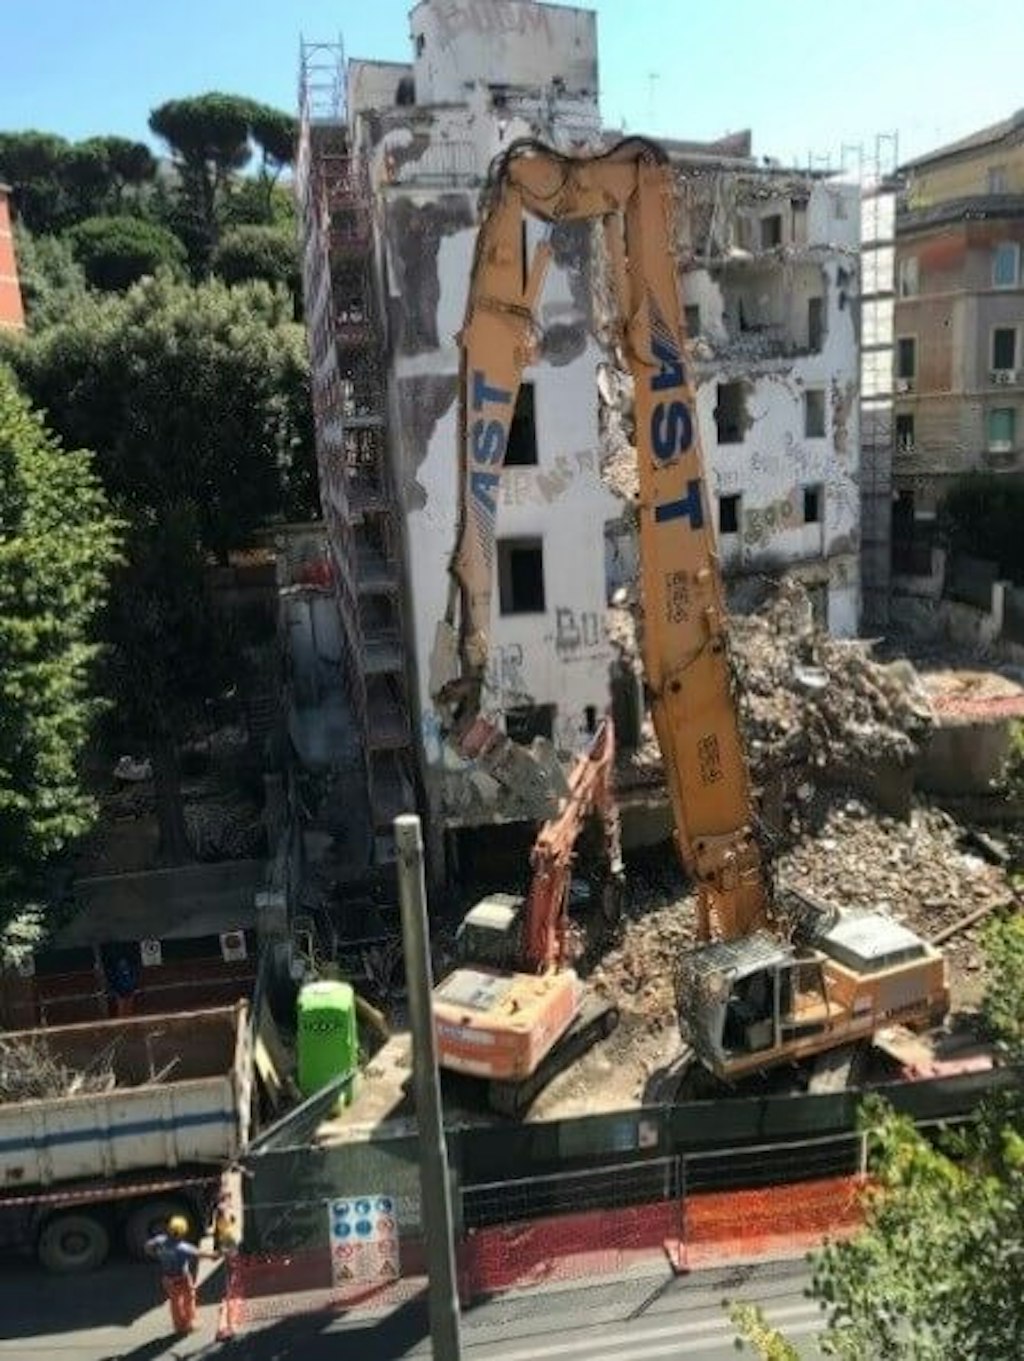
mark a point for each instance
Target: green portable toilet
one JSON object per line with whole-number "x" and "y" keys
{"x": 327, "y": 1041}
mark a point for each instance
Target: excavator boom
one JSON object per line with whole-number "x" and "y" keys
{"x": 629, "y": 191}
{"x": 545, "y": 916}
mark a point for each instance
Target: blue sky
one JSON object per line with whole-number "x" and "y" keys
{"x": 932, "y": 70}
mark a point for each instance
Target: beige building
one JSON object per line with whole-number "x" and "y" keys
{"x": 958, "y": 326}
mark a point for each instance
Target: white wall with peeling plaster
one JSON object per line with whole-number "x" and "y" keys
{"x": 562, "y": 656}
{"x": 776, "y": 459}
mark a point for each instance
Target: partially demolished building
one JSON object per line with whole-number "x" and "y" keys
{"x": 390, "y": 179}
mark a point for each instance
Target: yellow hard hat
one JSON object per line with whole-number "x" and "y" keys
{"x": 177, "y": 1226}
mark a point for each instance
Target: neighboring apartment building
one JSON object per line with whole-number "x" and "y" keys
{"x": 11, "y": 311}
{"x": 959, "y": 326}
{"x": 391, "y": 197}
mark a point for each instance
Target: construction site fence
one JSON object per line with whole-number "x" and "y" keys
{"x": 616, "y": 1219}
{"x": 726, "y": 1144}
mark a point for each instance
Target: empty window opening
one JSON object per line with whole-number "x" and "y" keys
{"x": 528, "y": 721}
{"x": 815, "y": 323}
{"x": 731, "y": 413}
{"x": 1005, "y": 265}
{"x": 905, "y": 431}
{"x": 1002, "y": 429}
{"x": 814, "y": 414}
{"x": 1004, "y": 347}
{"x": 728, "y": 515}
{"x": 997, "y": 179}
{"x": 906, "y": 357}
{"x": 771, "y": 231}
{"x": 521, "y": 576}
{"x": 813, "y": 498}
{"x": 522, "y": 433}
{"x": 590, "y": 715}
{"x": 693, "y": 319}
{"x": 908, "y": 278}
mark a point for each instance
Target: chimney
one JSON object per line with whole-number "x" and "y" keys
{"x": 12, "y": 314}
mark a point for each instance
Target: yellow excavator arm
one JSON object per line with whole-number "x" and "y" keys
{"x": 628, "y": 190}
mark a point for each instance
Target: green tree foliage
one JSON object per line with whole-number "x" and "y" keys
{"x": 936, "y": 1271}
{"x": 116, "y": 252}
{"x": 57, "y": 546}
{"x": 212, "y": 137}
{"x": 254, "y": 252}
{"x": 56, "y": 183}
{"x": 52, "y": 281}
{"x": 31, "y": 163}
{"x": 130, "y": 167}
{"x": 196, "y": 400}
{"x": 169, "y": 653}
{"x": 186, "y": 394}
{"x": 982, "y": 515}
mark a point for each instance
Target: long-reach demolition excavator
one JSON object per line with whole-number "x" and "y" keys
{"x": 776, "y": 976}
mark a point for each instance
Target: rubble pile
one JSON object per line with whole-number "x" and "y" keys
{"x": 916, "y": 872}
{"x": 807, "y": 698}
{"x": 809, "y": 703}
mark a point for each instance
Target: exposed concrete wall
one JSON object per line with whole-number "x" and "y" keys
{"x": 776, "y": 459}
{"x": 501, "y": 42}
{"x": 560, "y": 656}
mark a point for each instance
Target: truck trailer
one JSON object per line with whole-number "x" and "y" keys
{"x": 86, "y": 1171}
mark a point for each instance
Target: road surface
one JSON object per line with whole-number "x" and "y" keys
{"x": 114, "y": 1316}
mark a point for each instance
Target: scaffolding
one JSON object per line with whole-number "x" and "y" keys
{"x": 877, "y": 176}
{"x": 347, "y": 343}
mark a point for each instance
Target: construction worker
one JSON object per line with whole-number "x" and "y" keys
{"x": 179, "y": 1260}
{"x": 225, "y": 1227}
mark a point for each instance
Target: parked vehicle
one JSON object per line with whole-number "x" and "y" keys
{"x": 153, "y": 1110}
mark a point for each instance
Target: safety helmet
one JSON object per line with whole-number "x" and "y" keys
{"x": 177, "y": 1226}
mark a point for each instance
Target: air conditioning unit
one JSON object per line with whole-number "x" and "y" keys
{"x": 1003, "y": 377}
{"x": 904, "y": 385}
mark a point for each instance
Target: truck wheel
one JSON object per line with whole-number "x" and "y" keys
{"x": 73, "y": 1242}
{"x": 150, "y": 1217}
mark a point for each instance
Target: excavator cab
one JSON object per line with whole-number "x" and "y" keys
{"x": 756, "y": 1001}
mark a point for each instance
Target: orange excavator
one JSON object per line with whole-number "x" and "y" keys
{"x": 776, "y": 977}
{"x": 531, "y": 1015}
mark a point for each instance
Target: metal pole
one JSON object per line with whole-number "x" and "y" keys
{"x": 435, "y": 1195}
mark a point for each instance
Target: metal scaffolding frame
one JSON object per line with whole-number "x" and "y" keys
{"x": 347, "y": 343}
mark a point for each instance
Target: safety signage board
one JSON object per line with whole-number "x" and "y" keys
{"x": 363, "y": 1232}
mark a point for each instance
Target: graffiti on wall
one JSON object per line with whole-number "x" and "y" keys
{"x": 504, "y": 674}
{"x": 532, "y": 487}
{"x": 762, "y": 523}
{"x": 579, "y": 634}
{"x": 489, "y": 19}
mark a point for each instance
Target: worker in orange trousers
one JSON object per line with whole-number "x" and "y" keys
{"x": 178, "y": 1260}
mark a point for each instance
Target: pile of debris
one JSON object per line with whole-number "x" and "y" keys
{"x": 918, "y": 872}
{"x": 809, "y": 704}
{"x": 808, "y": 698}
{"x": 30, "y": 1071}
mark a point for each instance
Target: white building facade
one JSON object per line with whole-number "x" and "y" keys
{"x": 771, "y": 293}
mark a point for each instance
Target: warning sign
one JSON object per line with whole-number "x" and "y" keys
{"x": 363, "y": 1233}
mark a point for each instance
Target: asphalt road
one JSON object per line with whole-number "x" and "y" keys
{"x": 116, "y": 1315}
